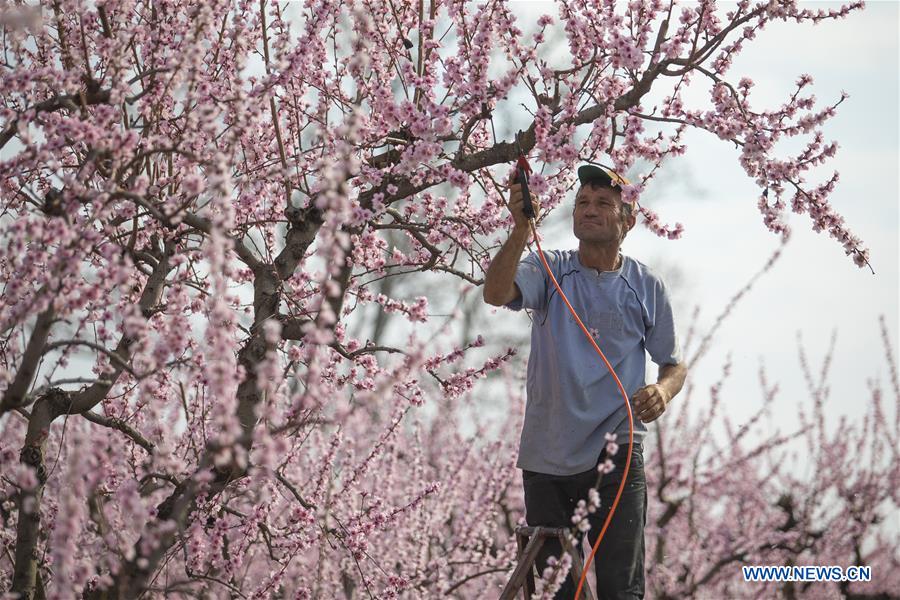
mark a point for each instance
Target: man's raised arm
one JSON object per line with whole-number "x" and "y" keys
{"x": 499, "y": 281}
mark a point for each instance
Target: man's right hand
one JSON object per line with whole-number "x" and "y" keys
{"x": 516, "y": 203}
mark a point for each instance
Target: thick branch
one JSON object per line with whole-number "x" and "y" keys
{"x": 114, "y": 423}
{"x": 28, "y": 502}
{"x": 70, "y": 101}
{"x": 17, "y": 390}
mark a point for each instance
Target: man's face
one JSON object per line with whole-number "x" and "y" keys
{"x": 599, "y": 216}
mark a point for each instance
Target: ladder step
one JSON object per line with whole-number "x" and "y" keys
{"x": 529, "y": 540}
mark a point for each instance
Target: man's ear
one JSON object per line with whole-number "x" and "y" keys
{"x": 631, "y": 221}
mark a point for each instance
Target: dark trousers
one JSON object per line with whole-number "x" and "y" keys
{"x": 619, "y": 562}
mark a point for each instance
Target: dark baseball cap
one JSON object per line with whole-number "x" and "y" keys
{"x": 588, "y": 173}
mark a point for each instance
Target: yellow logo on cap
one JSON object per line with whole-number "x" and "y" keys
{"x": 617, "y": 179}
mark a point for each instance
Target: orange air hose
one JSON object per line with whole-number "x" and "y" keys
{"x": 612, "y": 371}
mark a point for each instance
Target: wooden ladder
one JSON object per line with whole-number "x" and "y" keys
{"x": 523, "y": 577}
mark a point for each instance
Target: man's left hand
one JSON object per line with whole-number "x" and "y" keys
{"x": 650, "y": 402}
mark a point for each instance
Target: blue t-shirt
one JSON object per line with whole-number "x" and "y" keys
{"x": 572, "y": 400}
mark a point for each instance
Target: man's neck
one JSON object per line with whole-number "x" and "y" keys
{"x": 599, "y": 256}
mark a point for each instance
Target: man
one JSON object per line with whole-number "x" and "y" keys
{"x": 572, "y": 400}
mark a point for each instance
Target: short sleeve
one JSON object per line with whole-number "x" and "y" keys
{"x": 532, "y": 282}
{"x": 661, "y": 339}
